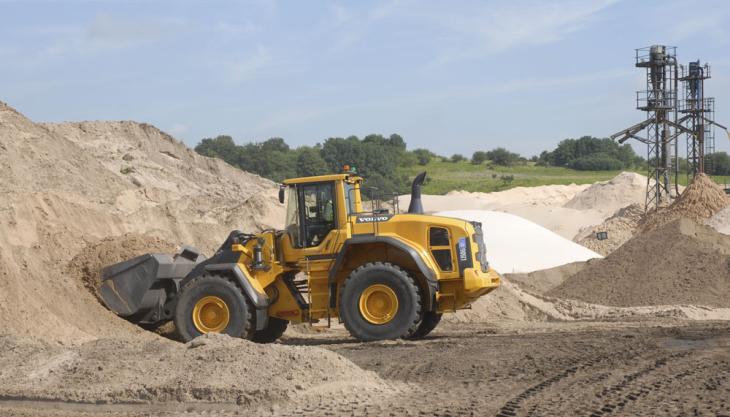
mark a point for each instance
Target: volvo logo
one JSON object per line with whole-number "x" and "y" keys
{"x": 372, "y": 219}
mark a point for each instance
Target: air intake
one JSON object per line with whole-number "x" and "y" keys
{"x": 416, "y": 207}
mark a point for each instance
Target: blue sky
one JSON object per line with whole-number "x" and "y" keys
{"x": 449, "y": 76}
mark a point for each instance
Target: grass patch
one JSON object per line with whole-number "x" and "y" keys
{"x": 444, "y": 176}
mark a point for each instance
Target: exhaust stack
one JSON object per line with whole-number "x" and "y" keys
{"x": 416, "y": 207}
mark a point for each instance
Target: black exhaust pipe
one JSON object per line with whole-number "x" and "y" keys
{"x": 416, "y": 207}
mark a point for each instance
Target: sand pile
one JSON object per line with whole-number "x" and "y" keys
{"x": 701, "y": 200}
{"x": 607, "y": 197}
{"x": 518, "y": 245}
{"x": 694, "y": 269}
{"x": 212, "y": 369}
{"x": 522, "y": 298}
{"x": 543, "y": 195}
{"x": 67, "y": 186}
{"x": 620, "y": 227}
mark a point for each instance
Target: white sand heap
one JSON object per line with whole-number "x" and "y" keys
{"x": 720, "y": 221}
{"x": 518, "y": 245}
{"x": 564, "y": 209}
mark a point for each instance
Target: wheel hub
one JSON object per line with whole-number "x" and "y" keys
{"x": 378, "y": 304}
{"x": 211, "y": 315}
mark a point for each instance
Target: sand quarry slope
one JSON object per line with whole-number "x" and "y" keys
{"x": 78, "y": 196}
{"x": 69, "y": 185}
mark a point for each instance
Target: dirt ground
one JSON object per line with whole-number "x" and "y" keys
{"x": 78, "y": 196}
{"x": 660, "y": 367}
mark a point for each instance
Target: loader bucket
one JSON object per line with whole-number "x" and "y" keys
{"x": 127, "y": 287}
{"x": 124, "y": 284}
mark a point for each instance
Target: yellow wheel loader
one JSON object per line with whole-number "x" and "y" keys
{"x": 383, "y": 274}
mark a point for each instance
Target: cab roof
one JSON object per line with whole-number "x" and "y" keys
{"x": 323, "y": 178}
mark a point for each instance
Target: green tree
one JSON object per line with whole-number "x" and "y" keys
{"x": 589, "y": 151}
{"x": 221, "y": 146}
{"x": 502, "y": 157}
{"x": 457, "y": 157}
{"x": 423, "y": 156}
{"x": 596, "y": 162}
{"x": 375, "y": 157}
{"x": 310, "y": 162}
{"x": 478, "y": 157}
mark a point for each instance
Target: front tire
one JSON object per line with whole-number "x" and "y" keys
{"x": 212, "y": 304}
{"x": 428, "y": 323}
{"x": 380, "y": 301}
{"x": 272, "y": 332}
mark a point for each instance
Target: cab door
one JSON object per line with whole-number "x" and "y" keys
{"x": 312, "y": 219}
{"x": 315, "y": 231}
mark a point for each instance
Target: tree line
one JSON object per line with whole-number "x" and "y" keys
{"x": 378, "y": 158}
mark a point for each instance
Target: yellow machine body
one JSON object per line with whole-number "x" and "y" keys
{"x": 445, "y": 255}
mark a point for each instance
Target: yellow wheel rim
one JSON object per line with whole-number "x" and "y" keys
{"x": 211, "y": 315}
{"x": 378, "y": 304}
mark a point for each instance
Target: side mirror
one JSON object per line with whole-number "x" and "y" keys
{"x": 281, "y": 194}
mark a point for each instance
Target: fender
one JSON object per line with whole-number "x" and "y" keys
{"x": 430, "y": 285}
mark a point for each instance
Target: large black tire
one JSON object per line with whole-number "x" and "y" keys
{"x": 428, "y": 323}
{"x": 273, "y": 331}
{"x": 240, "y": 318}
{"x": 407, "y": 316}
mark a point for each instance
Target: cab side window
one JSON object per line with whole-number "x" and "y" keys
{"x": 317, "y": 202}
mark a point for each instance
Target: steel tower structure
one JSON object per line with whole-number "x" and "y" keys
{"x": 698, "y": 117}
{"x": 659, "y": 101}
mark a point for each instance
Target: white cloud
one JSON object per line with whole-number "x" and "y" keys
{"x": 705, "y": 25}
{"x": 532, "y": 84}
{"x": 236, "y": 28}
{"x": 340, "y": 14}
{"x": 495, "y": 28}
{"x": 244, "y": 69}
{"x": 349, "y": 27}
{"x": 117, "y": 31}
{"x": 283, "y": 118}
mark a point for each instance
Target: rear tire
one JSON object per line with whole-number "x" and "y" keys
{"x": 212, "y": 304}
{"x": 380, "y": 301}
{"x": 428, "y": 323}
{"x": 272, "y": 332}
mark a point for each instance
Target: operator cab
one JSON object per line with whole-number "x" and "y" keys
{"x": 318, "y": 205}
